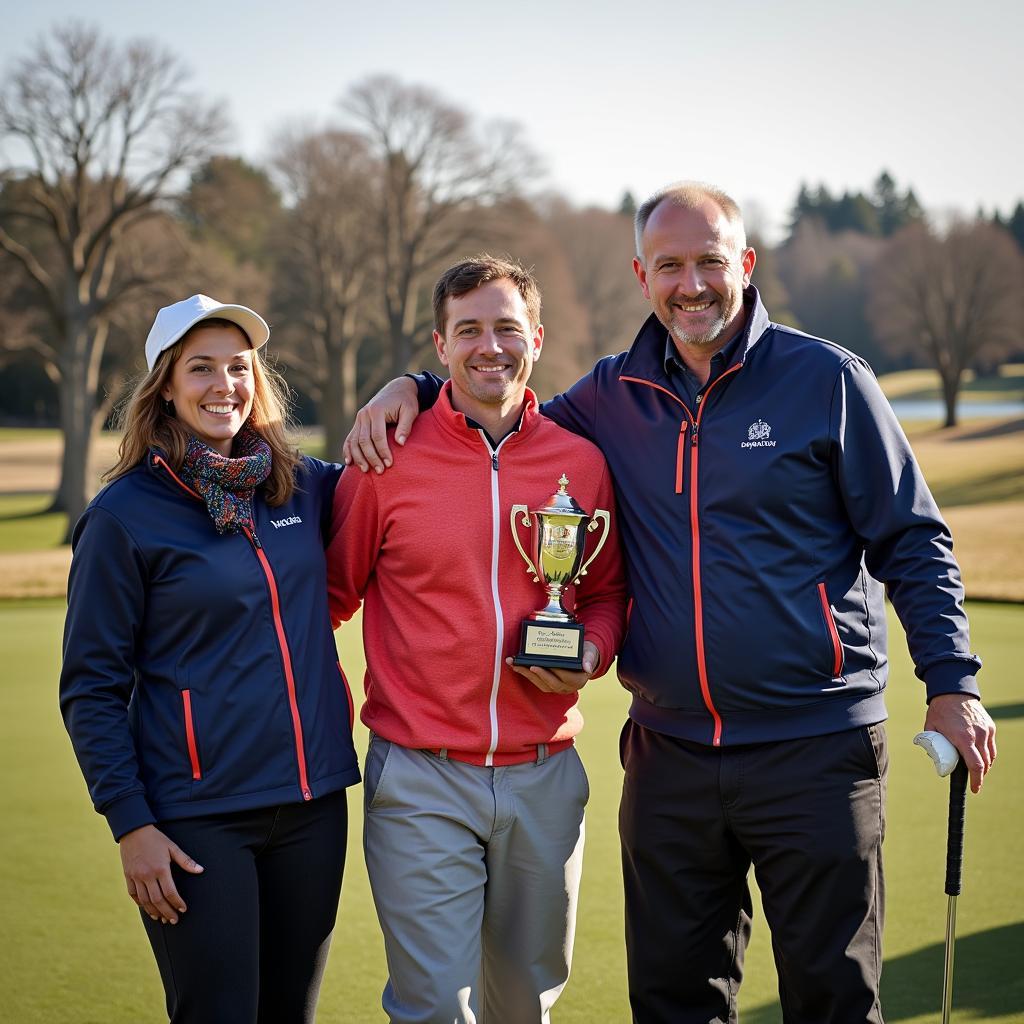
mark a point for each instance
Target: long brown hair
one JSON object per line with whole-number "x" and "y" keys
{"x": 148, "y": 423}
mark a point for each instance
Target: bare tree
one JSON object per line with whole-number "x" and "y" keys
{"x": 101, "y": 135}
{"x": 326, "y": 260}
{"x": 824, "y": 276}
{"x": 950, "y": 295}
{"x": 599, "y": 245}
{"x": 436, "y": 164}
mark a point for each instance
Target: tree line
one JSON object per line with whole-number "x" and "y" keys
{"x": 118, "y": 194}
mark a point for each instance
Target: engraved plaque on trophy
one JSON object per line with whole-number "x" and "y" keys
{"x": 552, "y": 637}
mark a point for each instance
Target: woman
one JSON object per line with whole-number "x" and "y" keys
{"x": 201, "y": 686}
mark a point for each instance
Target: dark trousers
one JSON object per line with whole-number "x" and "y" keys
{"x": 253, "y": 943}
{"x": 809, "y": 815}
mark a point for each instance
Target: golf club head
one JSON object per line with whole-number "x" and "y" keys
{"x": 940, "y": 750}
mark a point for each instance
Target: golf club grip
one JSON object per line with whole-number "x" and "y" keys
{"x": 955, "y": 841}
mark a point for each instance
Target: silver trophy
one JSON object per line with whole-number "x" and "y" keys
{"x": 552, "y": 637}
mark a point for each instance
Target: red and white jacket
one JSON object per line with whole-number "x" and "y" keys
{"x": 428, "y": 545}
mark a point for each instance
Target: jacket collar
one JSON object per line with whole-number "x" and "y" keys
{"x": 453, "y": 423}
{"x": 646, "y": 357}
{"x": 158, "y": 465}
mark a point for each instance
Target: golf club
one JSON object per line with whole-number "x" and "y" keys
{"x": 947, "y": 762}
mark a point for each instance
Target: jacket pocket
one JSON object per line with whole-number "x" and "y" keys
{"x": 830, "y": 623}
{"x": 378, "y": 760}
{"x": 190, "y": 735}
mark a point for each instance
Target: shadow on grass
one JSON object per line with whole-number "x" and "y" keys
{"x": 987, "y": 979}
{"x": 1004, "y": 711}
{"x": 996, "y": 386}
{"x": 995, "y": 430}
{"x": 986, "y": 488}
{"x": 25, "y": 504}
{"x": 8, "y": 517}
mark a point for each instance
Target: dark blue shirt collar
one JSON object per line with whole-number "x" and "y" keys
{"x": 719, "y": 361}
{"x": 473, "y": 425}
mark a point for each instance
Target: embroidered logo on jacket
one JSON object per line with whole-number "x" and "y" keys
{"x": 290, "y": 521}
{"x": 758, "y": 434}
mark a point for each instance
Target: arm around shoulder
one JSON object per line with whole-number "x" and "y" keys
{"x": 577, "y": 409}
{"x": 400, "y": 401}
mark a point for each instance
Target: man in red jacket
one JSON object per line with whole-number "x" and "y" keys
{"x": 474, "y": 791}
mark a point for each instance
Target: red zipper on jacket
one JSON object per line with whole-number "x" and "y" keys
{"x": 190, "y": 734}
{"x": 286, "y": 659}
{"x": 282, "y": 640}
{"x": 837, "y": 647}
{"x": 680, "y": 449}
{"x": 698, "y": 606}
{"x": 158, "y": 461}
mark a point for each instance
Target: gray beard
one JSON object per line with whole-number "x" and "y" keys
{"x": 709, "y": 337}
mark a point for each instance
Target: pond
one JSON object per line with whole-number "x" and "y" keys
{"x": 933, "y": 409}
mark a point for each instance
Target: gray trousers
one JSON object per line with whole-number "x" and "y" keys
{"x": 475, "y": 874}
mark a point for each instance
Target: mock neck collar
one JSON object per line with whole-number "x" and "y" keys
{"x": 468, "y": 431}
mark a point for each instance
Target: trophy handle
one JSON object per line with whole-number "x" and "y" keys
{"x": 599, "y": 513}
{"x": 516, "y": 509}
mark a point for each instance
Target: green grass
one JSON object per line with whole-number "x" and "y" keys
{"x": 75, "y": 950}
{"x": 975, "y": 463}
{"x": 29, "y": 434}
{"x": 25, "y": 526}
{"x": 924, "y": 385}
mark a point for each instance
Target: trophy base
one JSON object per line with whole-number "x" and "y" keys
{"x": 551, "y": 645}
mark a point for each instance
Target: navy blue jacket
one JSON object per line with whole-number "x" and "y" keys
{"x": 200, "y": 674}
{"x": 757, "y": 527}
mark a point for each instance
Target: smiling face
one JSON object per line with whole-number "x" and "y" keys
{"x": 489, "y": 347}
{"x": 211, "y": 384}
{"x": 693, "y": 273}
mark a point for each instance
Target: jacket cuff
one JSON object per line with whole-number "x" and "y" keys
{"x": 428, "y": 388}
{"x": 604, "y": 660}
{"x": 951, "y": 677}
{"x": 127, "y": 814}
{"x": 604, "y": 663}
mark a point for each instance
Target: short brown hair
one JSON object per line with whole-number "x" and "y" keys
{"x": 478, "y": 270}
{"x": 689, "y": 194}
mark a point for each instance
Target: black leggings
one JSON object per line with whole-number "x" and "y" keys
{"x": 252, "y": 945}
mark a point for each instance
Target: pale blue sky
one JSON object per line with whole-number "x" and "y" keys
{"x": 755, "y": 97}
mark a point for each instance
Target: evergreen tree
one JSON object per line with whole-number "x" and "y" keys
{"x": 879, "y": 214}
{"x": 895, "y": 211}
{"x": 855, "y": 212}
{"x": 1015, "y": 225}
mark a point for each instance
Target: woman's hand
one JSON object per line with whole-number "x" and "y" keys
{"x": 146, "y": 856}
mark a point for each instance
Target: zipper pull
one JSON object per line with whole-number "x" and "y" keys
{"x": 679, "y": 455}
{"x": 251, "y": 530}
{"x": 693, "y": 437}
{"x": 494, "y": 461}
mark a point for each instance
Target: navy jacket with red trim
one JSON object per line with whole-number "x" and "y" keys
{"x": 200, "y": 674}
{"x": 759, "y": 529}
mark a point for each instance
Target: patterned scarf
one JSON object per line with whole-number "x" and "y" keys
{"x": 228, "y": 484}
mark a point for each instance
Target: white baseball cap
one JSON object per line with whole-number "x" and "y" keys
{"x": 173, "y": 321}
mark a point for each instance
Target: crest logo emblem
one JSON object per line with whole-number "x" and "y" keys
{"x": 758, "y": 436}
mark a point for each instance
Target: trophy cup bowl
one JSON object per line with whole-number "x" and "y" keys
{"x": 552, "y": 636}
